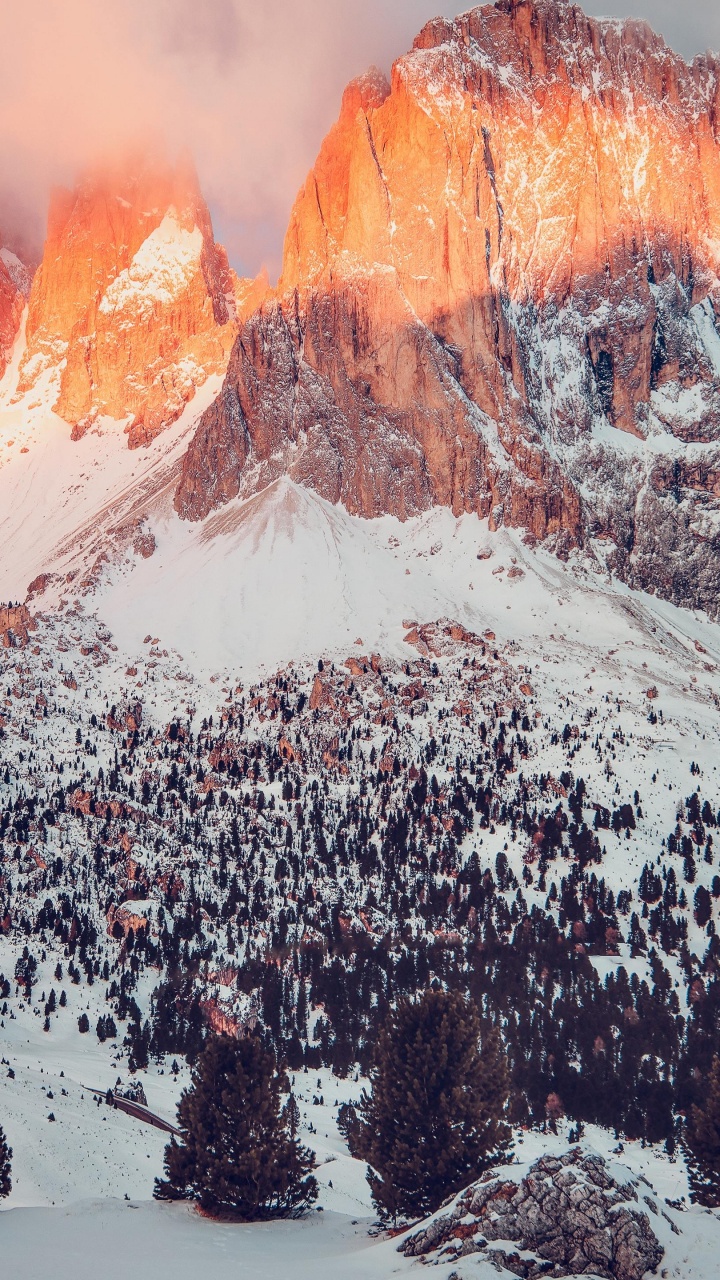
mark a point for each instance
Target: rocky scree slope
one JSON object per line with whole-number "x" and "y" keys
{"x": 499, "y": 294}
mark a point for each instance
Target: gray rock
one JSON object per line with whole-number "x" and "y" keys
{"x": 567, "y": 1217}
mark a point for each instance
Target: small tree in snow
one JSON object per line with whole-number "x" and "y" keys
{"x": 238, "y": 1157}
{"x": 5, "y": 1158}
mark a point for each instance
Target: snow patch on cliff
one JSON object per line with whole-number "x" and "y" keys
{"x": 160, "y": 272}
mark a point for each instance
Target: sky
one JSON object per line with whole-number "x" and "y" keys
{"x": 250, "y": 86}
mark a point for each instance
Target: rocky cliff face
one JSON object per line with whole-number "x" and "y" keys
{"x": 14, "y": 289}
{"x": 499, "y": 293}
{"x": 132, "y": 306}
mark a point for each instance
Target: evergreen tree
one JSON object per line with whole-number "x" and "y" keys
{"x": 348, "y": 1123}
{"x": 237, "y": 1158}
{"x": 5, "y": 1158}
{"x": 291, "y": 1114}
{"x": 433, "y": 1121}
{"x": 702, "y": 1136}
{"x": 177, "y": 1025}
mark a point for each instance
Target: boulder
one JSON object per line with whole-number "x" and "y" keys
{"x": 569, "y": 1215}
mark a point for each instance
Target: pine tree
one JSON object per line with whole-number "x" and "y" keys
{"x": 702, "y": 1136}
{"x": 291, "y": 1114}
{"x": 5, "y": 1158}
{"x": 237, "y": 1158}
{"x": 433, "y": 1121}
{"x": 348, "y": 1123}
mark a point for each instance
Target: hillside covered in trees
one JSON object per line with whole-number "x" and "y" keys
{"x": 337, "y": 836}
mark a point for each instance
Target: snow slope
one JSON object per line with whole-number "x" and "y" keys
{"x": 59, "y": 498}
{"x": 83, "y": 1183}
{"x": 283, "y": 575}
{"x": 286, "y": 577}
{"x": 67, "y": 1214}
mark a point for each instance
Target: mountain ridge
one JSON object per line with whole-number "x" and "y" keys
{"x": 14, "y": 289}
{"x": 499, "y": 295}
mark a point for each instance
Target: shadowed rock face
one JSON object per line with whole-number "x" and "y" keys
{"x": 131, "y": 301}
{"x": 568, "y": 1216}
{"x": 14, "y": 287}
{"x": 369, "y": 414}
{"x": 499, "y": 294}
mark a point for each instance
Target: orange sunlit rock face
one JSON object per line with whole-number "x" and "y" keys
{"x": 524, "y": 152}
{"x": 132, "y": 304}
{"x": 502, "y": 257}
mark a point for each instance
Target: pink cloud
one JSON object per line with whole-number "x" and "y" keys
{"x": 251, "y": 86}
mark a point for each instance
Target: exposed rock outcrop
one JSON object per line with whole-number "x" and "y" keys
{"x": 568, "y": 1216}
{"x": 354, "y": 398}
{"x": 15, "y": 623}
{"x": 500, "y": 294}
{"x": 132, "y": 306}
{"x": 443, "y": 637}
{"x": 15, "y": 281}
{"x": 121, "y": 920}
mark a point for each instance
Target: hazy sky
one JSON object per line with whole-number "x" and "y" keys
{"x": 250, "y": 85}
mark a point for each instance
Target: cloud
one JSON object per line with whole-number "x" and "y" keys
{"x": 251, "y": 86}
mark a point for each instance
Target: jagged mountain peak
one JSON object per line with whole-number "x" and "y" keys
{"x": 15, "y": 281}
{"x": 527, "y": 45}
{"x": 132, "y": 306}
{"x": 20, "y": 273}
{"x": 499, "y": 293}
{"x": 366, "y": 91}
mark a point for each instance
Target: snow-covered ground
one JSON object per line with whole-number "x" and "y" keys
{"x": 91, "y": 1150}
{"x": 148, "y": 1240}
{"x": 81, "y": 1198}
{"x": 285, "y": 577}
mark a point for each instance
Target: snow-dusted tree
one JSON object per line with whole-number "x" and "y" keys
{"x": 5, "y": 1158}
{"x": 702, "y": 1135}
{"x": 291, "y": 1115}
{"x": 433, "y": 1120}
{"x": 237, "y": 1157}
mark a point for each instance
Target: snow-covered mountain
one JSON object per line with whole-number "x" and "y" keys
{"x": 132, "y": 307}
{"x": 14, "y": 289}
{"x": 499, "y": 294}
